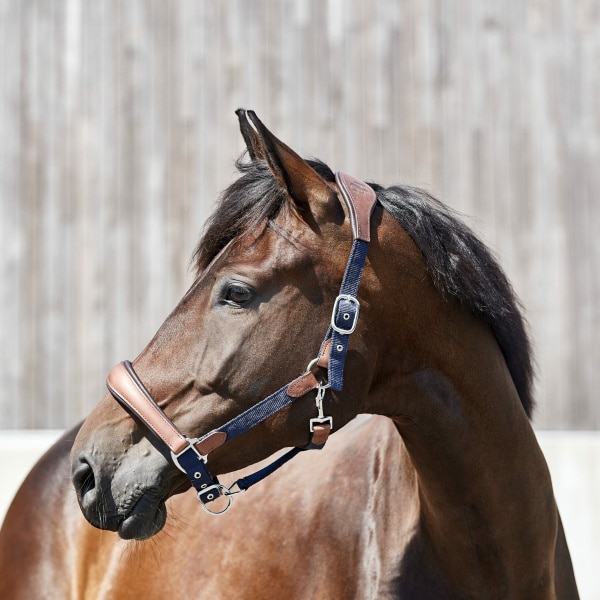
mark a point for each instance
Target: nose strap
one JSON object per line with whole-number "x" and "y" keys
{"x": 188, "y": 454}
{"x": 124, "y": 384}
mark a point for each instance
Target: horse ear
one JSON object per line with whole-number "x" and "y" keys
{"x": 250, "y": 135}
{"x": 305, "y": 186}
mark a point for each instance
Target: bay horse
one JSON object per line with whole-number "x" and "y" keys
{"x": 320, "y": 304}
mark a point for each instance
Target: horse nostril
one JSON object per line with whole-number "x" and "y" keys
{"x": 95, "y": 502}
{"x": 83, "y": 478}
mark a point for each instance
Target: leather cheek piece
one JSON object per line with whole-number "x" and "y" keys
{"x": 302, "y": 385}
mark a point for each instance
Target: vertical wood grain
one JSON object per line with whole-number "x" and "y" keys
{"x": 117, "y": 133}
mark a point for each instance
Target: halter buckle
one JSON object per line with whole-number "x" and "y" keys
{"x": 350, "y": 316}
{"x": 190, "y": 444}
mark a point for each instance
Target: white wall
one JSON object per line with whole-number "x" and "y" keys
{"x": 574, "y": 459}
{"x": 19, "y": 451}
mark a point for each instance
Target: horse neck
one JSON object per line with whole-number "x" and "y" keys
{"x": 485, "y": 492}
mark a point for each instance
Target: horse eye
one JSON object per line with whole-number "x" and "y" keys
{"x": 238, "y": 294}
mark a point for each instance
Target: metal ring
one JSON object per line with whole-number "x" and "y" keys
{"x": 216, "y": 513}
{"x": 311, "y": 364}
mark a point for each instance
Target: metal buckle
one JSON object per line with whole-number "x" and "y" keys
{"x": 190, "y": 442}
{"x": 346, "y": 316}
{"x": 320, "y": 421}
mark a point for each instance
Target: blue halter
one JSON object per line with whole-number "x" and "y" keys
{"x": 190, "y": 455}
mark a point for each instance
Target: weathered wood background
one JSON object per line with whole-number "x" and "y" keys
{"x": 117, "y": 132}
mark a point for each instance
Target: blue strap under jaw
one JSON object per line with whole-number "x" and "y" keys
{"x": 193, "y": 464}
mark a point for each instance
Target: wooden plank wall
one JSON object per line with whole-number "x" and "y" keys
{"x": 117, "y": 132}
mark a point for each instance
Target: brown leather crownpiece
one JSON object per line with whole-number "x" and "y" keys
{"x": 360, "y": 199}
{"x": 302, "y": 385}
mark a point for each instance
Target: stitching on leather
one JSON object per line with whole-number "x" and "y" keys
{"x": 156, "y": 410}
{"x": 351, "y": 204}
{"x": 302, "y": 389}
{"x": 354, "y": 213}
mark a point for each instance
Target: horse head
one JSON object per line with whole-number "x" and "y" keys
{"x": 269, "y": 267}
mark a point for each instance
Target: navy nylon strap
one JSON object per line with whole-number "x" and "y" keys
{"x": 345, "y": 314}
{"x": 245, "y": 482}
{"x": 197, "y": 471}
{"x": 257, "y": 413}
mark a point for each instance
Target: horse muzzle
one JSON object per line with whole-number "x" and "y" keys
{"x": 114, "y": 494}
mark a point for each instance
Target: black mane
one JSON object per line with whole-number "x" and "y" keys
{"x": 464, "y": 269}
{"x": 461, "y": 266}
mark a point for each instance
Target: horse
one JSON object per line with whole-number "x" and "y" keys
{"x": 321, "y": 305}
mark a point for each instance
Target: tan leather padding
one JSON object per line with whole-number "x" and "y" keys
{"x": 210, "y": 441}
{"x": 124, "y": 384}
{"x": 360, "y": 199}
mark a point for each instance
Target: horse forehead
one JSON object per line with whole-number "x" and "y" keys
{"x": 276, "y": 248}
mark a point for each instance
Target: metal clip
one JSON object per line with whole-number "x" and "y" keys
{"x": 321, "y": 418}
{"x": 319, "y": 399}
{"x": 229, "y": 491}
